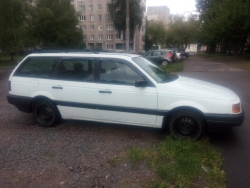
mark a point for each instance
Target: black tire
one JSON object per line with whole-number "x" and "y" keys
{"x": 45, "y": 113}
{"x": 186, "y": 125}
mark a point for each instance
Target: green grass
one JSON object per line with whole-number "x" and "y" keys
{"x": 174, "y": 67}
{"x": 241, "y": 61}
{"x": 181, "y": 163}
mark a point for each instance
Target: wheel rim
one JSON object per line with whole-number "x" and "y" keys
{"x": 45, "y": 113}
{"x": 164, "y": 63}
{"x": 186, "y": 126}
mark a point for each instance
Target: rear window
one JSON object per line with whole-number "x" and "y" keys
{"x": 37, "y": 67}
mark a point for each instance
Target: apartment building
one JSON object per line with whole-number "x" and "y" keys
{"x": 159, "y": 13}
{"x": 99, "y": 30}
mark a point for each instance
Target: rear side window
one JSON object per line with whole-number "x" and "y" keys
{"x": 75, "y": 69}
{"x": 37, "y": 67}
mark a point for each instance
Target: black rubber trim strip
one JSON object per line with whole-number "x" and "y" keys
{"x": 23, "y": 104}
{"x": 111, "y": 108}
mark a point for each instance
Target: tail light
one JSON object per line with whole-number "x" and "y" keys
{"x": 169, "y": 55}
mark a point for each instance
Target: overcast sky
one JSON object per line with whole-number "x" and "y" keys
{"x": 175, "y": 6}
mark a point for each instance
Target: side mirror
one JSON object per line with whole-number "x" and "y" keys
{"x": 141, "y": 83}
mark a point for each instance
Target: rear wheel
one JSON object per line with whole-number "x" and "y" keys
{"x": 164, "y": 62}
{"x": 186, "y": 125}
{"x": 45, "y": 113}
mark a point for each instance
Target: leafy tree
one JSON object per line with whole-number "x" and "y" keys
{"x": 225, "y": 23}
{"x": 182, "y": 31}
{"x": 155, "y": 32}
{"x": 53, "y": 25}
{"x": 12, "y": 25}
{"x": 117, "y": 10}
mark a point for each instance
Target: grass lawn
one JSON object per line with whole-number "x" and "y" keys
{"x": 174, "y": 67}
{"x": 241, "y": 61}
{"x": 178, "y": 163}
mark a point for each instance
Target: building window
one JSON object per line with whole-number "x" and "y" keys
{"x": 99, "y": 17}
{"x": 99, "y": 37}
{"x": 108, "y": 17}
{"x": 91, "y": 17}
{"x": 118, "y": 46}
{"x": 109, "y": 46}
{"x": 119, "y": 36}
{"x": 92, "y": 37}
{"x": 99, "y": 27}
{"x": 109, "y": 37}
{"x": 110, "y": 27}
{"x": 90, "y": 7}
{"x": 82, "y": 17}
{"x": 99, "y": 6}
{"x": 83, "y": 27}
{"x": 82, "y": 8}
{"x": 91, "y": 27}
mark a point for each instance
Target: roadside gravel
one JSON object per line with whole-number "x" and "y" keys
{"x": 71, "y": 154}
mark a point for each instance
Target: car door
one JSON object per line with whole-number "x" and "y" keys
{"x": 74, "y": 88}
{"x": 118, "y": 98}
{"x": 155, "y": 57}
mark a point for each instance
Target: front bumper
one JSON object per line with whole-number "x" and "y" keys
{"x": 218, "y": 122}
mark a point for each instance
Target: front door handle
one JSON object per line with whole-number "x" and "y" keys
{"x": 57, "y": 87}
{"x": 105, "y": 91}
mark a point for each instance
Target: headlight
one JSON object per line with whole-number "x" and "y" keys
{"x": 236, "y": 108}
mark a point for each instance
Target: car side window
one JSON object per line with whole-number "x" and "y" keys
{"x": 78, "y": 69}
{"x": 37, "y": 67}
{"x": 115, "y": 72}
{"x": 156, "y": 53}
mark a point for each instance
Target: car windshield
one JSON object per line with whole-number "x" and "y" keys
{"x": 158, "y": 74}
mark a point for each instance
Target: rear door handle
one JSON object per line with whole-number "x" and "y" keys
{"x": 105, "y": 91}
{"x": 57, "y": 87}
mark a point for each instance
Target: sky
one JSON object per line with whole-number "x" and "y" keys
{"x": 175, "y": 6}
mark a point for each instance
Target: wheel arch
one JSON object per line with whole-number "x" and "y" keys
{"x": 173, "y": 111}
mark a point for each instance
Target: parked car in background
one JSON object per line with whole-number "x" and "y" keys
{"x": 160, "y": 57}
{"x": 180, "y": 53}
{"x": 185, "y": 54}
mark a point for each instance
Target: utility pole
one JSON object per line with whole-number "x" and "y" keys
{"x": 127, "y": 26}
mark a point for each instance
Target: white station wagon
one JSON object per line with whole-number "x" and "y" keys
{"x": 122, "y": 89}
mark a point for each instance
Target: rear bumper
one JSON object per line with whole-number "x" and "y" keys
{"x": 22, "y": 103}
{"x": 223, "y": 122}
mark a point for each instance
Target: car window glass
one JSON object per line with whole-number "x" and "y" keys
{"x": 37, "y": 67}
{"x": 78, "y": 69}
{"x": 114, "y": 72}
{"x": 156, "y": 53}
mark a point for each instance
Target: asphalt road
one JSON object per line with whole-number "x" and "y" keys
{"x": 234, "y": 145}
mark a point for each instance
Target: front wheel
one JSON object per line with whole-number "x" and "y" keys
{"x": 186, "y": 125}
{"x": 45, "y": 113}
{"x": 164, "y": 62}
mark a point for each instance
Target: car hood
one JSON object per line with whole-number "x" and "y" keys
{"x": 190, "y": 87}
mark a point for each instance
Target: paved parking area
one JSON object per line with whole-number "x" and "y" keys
{"x": 234, "y": 145}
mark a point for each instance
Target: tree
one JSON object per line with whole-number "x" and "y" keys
{"x": 54, "y": 25}
{"x": 118, "y": 14}
{"x": 155, "y": 33}
{"x": 12, "y": 26}
{"x": 226, "y": 23}
{"x": 182, "y": 31}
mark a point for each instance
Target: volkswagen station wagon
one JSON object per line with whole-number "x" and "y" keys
{"x": 121, "y": 89}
